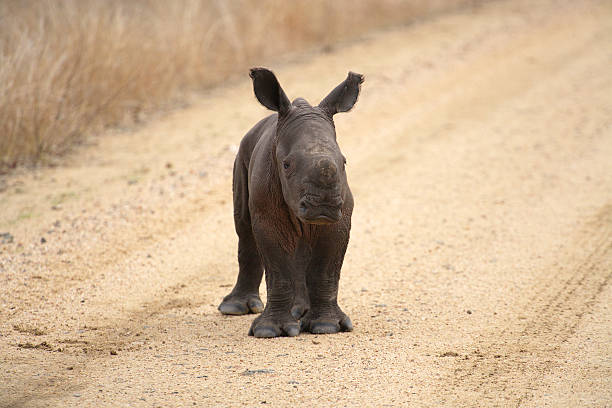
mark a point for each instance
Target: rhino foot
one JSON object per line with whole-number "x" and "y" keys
{"x": 241, "y": 304}
{"x": 327, "y": 323}
{"x": 273, "y": 326}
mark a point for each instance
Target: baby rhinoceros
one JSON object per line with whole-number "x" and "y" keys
{"x": 292, "y": 212}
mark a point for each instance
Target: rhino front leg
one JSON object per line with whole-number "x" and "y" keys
{"x": 322, "y": 278}
{"x": 276, "y": 319}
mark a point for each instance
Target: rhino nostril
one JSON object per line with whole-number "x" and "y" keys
{"x": 304, "y": 205}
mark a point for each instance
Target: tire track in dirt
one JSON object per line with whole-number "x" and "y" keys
{"x": 564, "y": 310}
{"x": 565, "y": 293}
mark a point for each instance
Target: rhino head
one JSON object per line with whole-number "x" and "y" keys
{"x": 308, "y": 160}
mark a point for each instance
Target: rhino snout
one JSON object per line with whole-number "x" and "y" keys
{"x": 320, "y": 212}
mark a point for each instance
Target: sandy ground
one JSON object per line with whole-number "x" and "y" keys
{"x": 478, "y": 273}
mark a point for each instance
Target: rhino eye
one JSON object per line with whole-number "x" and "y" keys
{"x": 286, "y": 164}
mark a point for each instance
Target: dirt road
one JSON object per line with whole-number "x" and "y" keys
{"x": 478, "y": 274}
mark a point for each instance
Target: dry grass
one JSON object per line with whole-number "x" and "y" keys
{"x": 69, "y": 67}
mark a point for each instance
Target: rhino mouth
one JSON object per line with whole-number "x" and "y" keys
{"x": 317, "y": 213}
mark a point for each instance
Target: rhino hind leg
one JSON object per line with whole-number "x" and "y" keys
{"x": 236, "y": 304}
{"x": 244, "y": 298}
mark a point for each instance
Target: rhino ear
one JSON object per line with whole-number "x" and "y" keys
{"x": 344, "y": 96}
{"x": 268, "y": 91}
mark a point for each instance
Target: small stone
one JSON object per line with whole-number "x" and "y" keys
{"x": 43, "y": 240}
{"x": 468, "y": 311}
{"x": 113, "y": 352}
{"x": 259, "y": 371}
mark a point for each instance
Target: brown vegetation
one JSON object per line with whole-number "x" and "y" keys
{"x": 72, "y": 66}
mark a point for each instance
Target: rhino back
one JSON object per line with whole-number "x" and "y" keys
{"x": 263, "y": 130}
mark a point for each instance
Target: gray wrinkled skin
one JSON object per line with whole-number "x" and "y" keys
{"x": 292, "y": 212}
